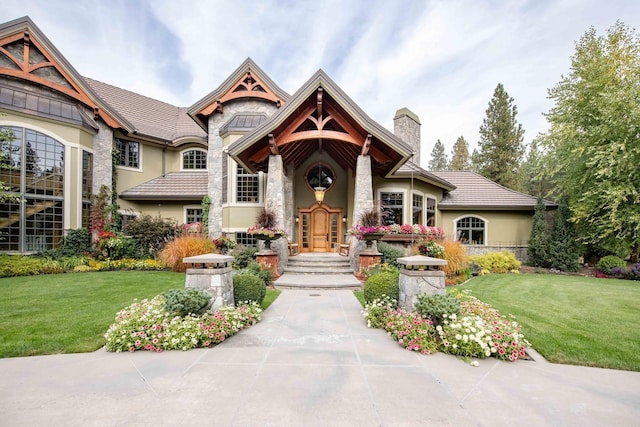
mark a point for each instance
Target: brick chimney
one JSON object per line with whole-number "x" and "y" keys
{"x": 406, "y": 126}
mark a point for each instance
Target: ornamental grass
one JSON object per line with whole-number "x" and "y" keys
{"x": 181, "y": 247}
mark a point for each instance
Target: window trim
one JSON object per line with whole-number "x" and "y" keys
{"x": 184, "y": 212}
{"x": 140, "y": 150}
{"x": 186, "y": 150}
{"x": 486, "y": 228}
{"x": 404, "y": 192}
{"x": 234, "y": 186}
{"x": 428, "y": 196}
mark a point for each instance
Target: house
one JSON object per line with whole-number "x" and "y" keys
{"x": 314, "y": 157}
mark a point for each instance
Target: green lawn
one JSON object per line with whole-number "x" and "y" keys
{"x": 570, "y": 319}
{"x": 69, "y": 313}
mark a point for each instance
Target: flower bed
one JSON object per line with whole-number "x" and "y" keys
{"x": 479, "y": 331}
{"x": 146, "y": 325}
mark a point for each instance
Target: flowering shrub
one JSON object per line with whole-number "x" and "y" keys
{"x": 632, "y": 273}
{"x": 497, "y": 262}
{"x": 412, "y": 331}
{"x": 147, "y": 326}
{"x": 224, "y": 244}
{"x": 194, "y": 228}
{"x": 431, "y": 248}
{"x": 377, "y": 310}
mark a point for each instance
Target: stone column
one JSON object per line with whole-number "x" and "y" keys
{"x": 211, "y": 273}
{"x": 275, "y": 201}
{"x": 419, "y": 275}
{"x": 362, "y": 201}
{"x": 214, "y": 162}
{"x": 289, "y": 205}
{"x": 102, "y": 160}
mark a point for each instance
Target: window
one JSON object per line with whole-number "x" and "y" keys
{"x": 129, "y": 153}
{"x": 470, "y": 231}
{"x": 247, "y": 186}
{"x": 431, "y": 212}
{"x": 32, "y": 166}
{"x": 320, "y": 176}
{"x": 87, "y": 187}
{"x": 246, "y": 239}
{"x": 416, "y": 215}
{"x": 194, "y": 159}
{"x": 193, "y": 215}
{"x": 392, "y": 204}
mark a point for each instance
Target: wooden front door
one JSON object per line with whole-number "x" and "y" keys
{"x": 319, "y": 228}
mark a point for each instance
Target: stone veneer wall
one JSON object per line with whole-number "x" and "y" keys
{"x": 363, "y": 200}
{"x": 519, "y": 251}
{"x": 215, "y": 154}
{"x": 275, "y": 201}
{"x": 102, "y": 159}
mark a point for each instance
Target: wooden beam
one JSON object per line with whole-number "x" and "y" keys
{"x": 272, "y": 145}
{"x": 366, "y": 145}
{"x": 318, "y": 134}
{"x": 319, "y": 101}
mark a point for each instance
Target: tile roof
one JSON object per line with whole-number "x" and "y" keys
{"x": 149, "y": 116}
{"x": 412, "y": 170}
{"x": 243, "y": 122}
{"x": 473, "y": 191}
{"x": 184, "y": 185}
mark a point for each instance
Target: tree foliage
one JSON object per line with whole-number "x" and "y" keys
{"x": 594, "y": 138}
{"x": 460, "y": 158}
{"x": 439, "y": 159}
{"x": 537, "y": 253}
{"x": 563, "y": 250}
{"x": 500, "y": 148}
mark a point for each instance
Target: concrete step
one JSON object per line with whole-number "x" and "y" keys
{"x": 317, "y": 281}
{"x": 317, "y": 270}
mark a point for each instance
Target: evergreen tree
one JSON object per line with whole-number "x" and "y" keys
{"x": 537, "y": 252}
{"x": 534, "y": 176}
{"x": 564, "y": 251}
{"x": 460, "y": 159}
{"x": 439, "y": 159}
{"x": 500, "y": 146}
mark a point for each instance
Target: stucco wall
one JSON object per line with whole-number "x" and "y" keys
{"x": 511, "y": 228}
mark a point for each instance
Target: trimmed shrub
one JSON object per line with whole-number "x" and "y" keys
{"x": 183, "y": 302}
{"x": 248, "y": 287}
{"x": 381, "y": 284}
{"x": 178, "y": 249}
{"x": 381, "y": 268}
{"x": 14, "y": 265}
{"x": 497, "y": 262}
{"x": 243, "y": 255}
{"x": 437, "y": 307}
{"x": 609, "y": 262}
{"x": 390, "y": 253}
{"x": 265, "y": 275}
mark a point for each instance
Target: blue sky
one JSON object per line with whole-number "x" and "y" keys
{"x": 441, "y": 59}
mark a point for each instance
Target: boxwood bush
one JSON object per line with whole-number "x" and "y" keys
{"x": 248, "y": 287}
{"x": 381, "y": 284}
{"x": 609, "y": 262}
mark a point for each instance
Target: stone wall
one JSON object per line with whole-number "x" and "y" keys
{"x": 102, "y": 159}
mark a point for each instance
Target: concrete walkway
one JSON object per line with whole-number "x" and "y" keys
{"x": 311, "y": 361}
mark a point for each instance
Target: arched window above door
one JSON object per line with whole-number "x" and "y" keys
{"x": 320, "y": 175}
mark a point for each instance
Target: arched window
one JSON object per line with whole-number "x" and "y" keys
{"x": 194, "y": 159}
{"x": 32, "y": 169}
{"x": 471, "y": 230}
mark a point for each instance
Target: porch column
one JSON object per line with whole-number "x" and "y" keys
{"x": 215, "y": 159}
{"x": 362, "y": 201}
{"x": 289, "y": 213}
{"x": 275, "y": 200}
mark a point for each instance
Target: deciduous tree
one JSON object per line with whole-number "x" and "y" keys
{"x": 594, "y": 138}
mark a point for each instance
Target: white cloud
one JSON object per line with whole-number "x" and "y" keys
{"x": 440, "y": 59}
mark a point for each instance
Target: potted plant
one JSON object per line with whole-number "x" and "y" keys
{"x": 224, "y": 244}
{"x": 265, "y": 228}
{"x": 370, "y": 226}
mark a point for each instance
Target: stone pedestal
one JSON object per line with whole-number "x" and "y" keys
{"x": 419, "y": 275}
{"x": 211, "y": 273}
{"x": 268, "y": 260}
{"x": 366, "y": 260}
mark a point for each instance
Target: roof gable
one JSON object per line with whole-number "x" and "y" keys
{"x": 320, "y": 115}
{"x": 27, "y": 54}
{"x": 247, "y": 81}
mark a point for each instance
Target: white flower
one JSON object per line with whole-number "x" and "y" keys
{"x": 475, "y": 363}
